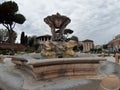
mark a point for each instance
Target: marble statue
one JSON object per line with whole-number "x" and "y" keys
{"x": 58, "y": 22}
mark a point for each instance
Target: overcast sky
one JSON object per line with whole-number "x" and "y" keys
{"x": 98, "y": 20}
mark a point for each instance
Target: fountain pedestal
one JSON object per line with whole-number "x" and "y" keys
{"x": 60, "y": 67}
{"x": 58, "y": 49}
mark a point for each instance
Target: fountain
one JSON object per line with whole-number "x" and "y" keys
{"x": 58, "y": 47}
{"x": 57, "y": 22}
{"x": 56, "y": 52}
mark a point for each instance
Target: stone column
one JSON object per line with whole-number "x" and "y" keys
{"x": 47, "y": 39}
{"x": 44, "y": 39}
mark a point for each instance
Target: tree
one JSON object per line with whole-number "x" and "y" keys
{"x": 105, "y": 46}
{"x": 75, "y": 38}
{"x": 76, "y": 49}
{"x": 22, "y": 38}
{"x": 31, "y": 42}
{"x": 67, "y": 32}
{"x": 3, "y": 35}
{"x": 99, "y": 50}
{"x": 9, "y": 17}
{"x": 26, "y": 40}
{"x": 81, "y": 47}
{"x": 14, "y": 36}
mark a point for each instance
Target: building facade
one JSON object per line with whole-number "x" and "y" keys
{"x": 114, "y": 45}
{"x": 42, "y": 39}
{"x": 87, "y": 45}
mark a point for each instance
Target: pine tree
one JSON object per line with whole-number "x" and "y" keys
{"x": 9, "y": 17}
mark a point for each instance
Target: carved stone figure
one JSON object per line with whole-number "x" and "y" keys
{"x": 57, "y": 22}
{"x": 57, "y": 48}
{"x": 48, "y": 50}
{"x": 69, "y": 48}
{"x": 53, "y": 49}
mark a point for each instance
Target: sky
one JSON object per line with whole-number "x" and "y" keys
{"x": 98, "y": 20}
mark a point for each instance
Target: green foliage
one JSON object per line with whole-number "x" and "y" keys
{"x": 31, "y": 42}
{"x": 26, "y": 40}
{"x": 105, "y": 46}
{"x": 81, "y": 47}
{"x": 19, "y": 18}
{"x": 99, "y": 50}
{"x": 76, "y": 48}
{"x": 7, "y": 11}
{"x": 3, "y": 52}
{"x": 9, "y": 17}
{"x": 22, "y": 38}
{"x": 75, "y": 38}
{"x": 36, "y": 46}
{"x": 7, "y": 52}
{"x": 9, "y": 7}
{"x": 3, "y": 35}
{"x": 14, "y": 36}
{"x": 68, "y": 31}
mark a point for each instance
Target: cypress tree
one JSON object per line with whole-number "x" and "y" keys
{"x": 22, "y": 39}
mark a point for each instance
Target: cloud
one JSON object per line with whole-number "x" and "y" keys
{"x": 98, "y": 20}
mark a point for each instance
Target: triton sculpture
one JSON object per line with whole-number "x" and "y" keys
{"x": 58, "y": 22}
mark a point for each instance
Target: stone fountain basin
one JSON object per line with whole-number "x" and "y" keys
{"x": 46, "y": 69}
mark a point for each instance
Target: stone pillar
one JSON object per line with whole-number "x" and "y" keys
{"x": 47, "y": 39}
{"x": 40, "y": 39}
{"x": 44, "y": 38}
{"x": 88, "y": 46}
{"x": 85, "y": 47}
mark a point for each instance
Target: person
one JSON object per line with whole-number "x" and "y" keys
{"x": 103, "y": 54}
{"x": 117, "y": 57}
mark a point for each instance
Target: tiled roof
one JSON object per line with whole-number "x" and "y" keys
{"x": 88, "y": 40}
{"x": 44, "y": 36}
